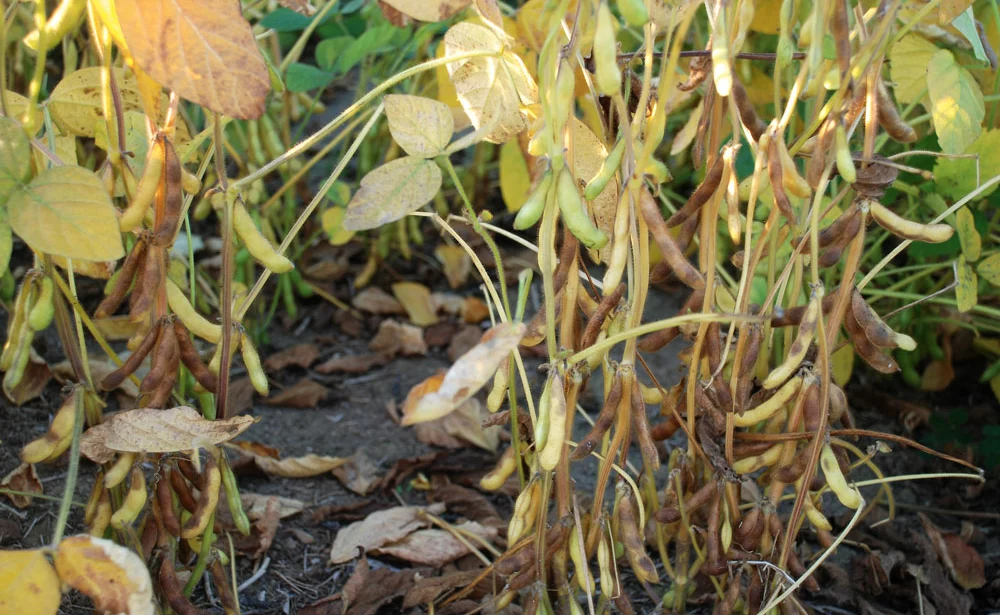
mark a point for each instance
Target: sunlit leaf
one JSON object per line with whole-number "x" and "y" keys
{"x": 378, "y": 529}
{"x": 842, "y": 364}
{"x": 332, "y": 221}
{"x": 493, "y": 89}
{"x": 391, "y": 191}
{"x": 416, "y": 299}
{"x": 305, "y": 77}
{"x": 515, "y": 181}
{"x": 428, "y": 10}
{"x": 77, "y": 103}
{"x": 66, "y": 211}
{"x": 989, "y": 268}
{"x": 421, "y": 126}
{"x": 114, "y": 577}
{"x": 469, "y": 373}
{"x": 966, "y": 290}
{"x": 151, "y": 430}
{"x": 589, "y": 153}
{"x": 203, "y": 49}
{"x": 965, "y": 225}
{"x": 15, "y": 160}
{"x": 28, "y": 583}
{"x": 948, "y": 10}
{"x": 957, "y": 177}
{"x": 908, "y": 60}
{"x": 456, "y": 264}
{"x": 957, "y": 106}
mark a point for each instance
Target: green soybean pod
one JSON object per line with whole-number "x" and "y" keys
{"x": 532, "y": 209}
{"x": 597, "y": 184}
{"x": 573, "y": 213}
{"x": 634, "y": 12}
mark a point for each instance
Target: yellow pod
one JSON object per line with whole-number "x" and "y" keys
{"x": 119, "y": 470}
{"x": 908, "y": 229}
{"x": 496, "y": 477}
{"x": 145, "y": 191}
{"x": 550, "y": 455}
{"x": 195, "y": 322}
{"x": 254, "y": 369}
{"x": 40, "y": 316}
{"x": 607, "y": 75}
{"x": 498, "y": 393}
{"x": 135, "y": 499}
{"x": 800, "y": 347}
{"x": 845, "y": 163}
{"x": 771, "y": 405}
{"x": 256, "y": 244}
{"x": 60, "y": 432}
{"x": 848, "y": 495}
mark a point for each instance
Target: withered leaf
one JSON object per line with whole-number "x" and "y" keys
{"x": 459, "y": 429}
{"x": 398, "y": 338}
{"x": 306, "y": 393}
{"x": 299, "y": 355}
{"x": 151, "y": 430}
{"x": 114, "y": 577}
{"x": 377, "y": 301}
{"x": 436, "y": 547}
{"x": 359, "y": 474}
{"x": 255, "y": 505}
{"x": 379, "y": 529}
{"x": 22, "y": 478}
{"x": 963, "y": 562}
{"x": 416, "y": 299}
{"x": 352, "y": 364}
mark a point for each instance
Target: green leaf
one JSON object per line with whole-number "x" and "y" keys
{"x": 965, "y": 23}
{"x": 957, "y": 106}
{"x": 372, "y": 41}
{"x": 287, "y": 20}
{"x": 305, "y": 77}
{"x": 391, "y": 191}
{"x": 66, "y": 211}
{"x": 330, "y": 50}
{"x": 989, "y": 268}
{"x": 965, "y": 291}
{"x": 908, "y": 60}
{"x": 957, "y": 177}
{"x": 15, "y": 158}
{"x": 6, "y": 241}
{"x": 965, "y": 224}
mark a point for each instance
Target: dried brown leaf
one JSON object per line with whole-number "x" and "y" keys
{"x": 352, "y": 364}
{"x": 436, "y": 547}
{"x": 377, "y": 301}
{"x": 36, "y": 375}
{"x": 359, "y": 474}
{"x": 963, "y": 562}
{"x": 255, "y": 505}
{"x": 114, "y": 577}
{"x": 306, "y": 393}
{"x": 299, "y": 355}
{"x": 460, "y": 429}
{"x": 22, "y": 478}
{"x": 379, "y": 529}
{"x": 395, "y": 338}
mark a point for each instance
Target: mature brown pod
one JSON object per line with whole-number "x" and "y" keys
{"x": 632, "y": 537}
{"x": 715, "y": 562}
{"x": 889, "y": 119}
{"x": 659, "y": 339}
{"x": 701, "y": 194}
{"x": 180, "y": 487}
{"x": 755, "y": 593}
{"x": 748, "y": 532}
{"x": 567, "y": 254}
{"x": 223, "y": 584}
{"x": 149, "y": 536}
{"x": 666, "y": 429}
{"x": 668, "y": 247}
{"x": 189, "y": 356}
{"x": 872, "y": 354}
{"x": 171, "y": 589}
{"x": 745, "y": 370}
{"x": 708, "y": 102}
{"x": 792, "y": 317}
{"x": 147, "y": 283}
{"x": 748, "y": 115}
{"x": 840, "y": 28}
{"x": 839, "y": 410}
{"x": 821, "y": 152}
{"x": 713, "y": 346}
{"x": 688, "y": 231}
{"x": 169, "y": 197}
{"x": 116, "y": 378}
{"x": 836, "y": 229}
{"x": 517, "y": 557}
{"x": 671, "y": 513}
{"x": 166, "y": 348}
{"x": 126, "y": 274}
{"x": 161, "y": 394}
{"x": 165, "y": 503}
{"x": 602, "y": 423}
{"x": 791, "y": 473}
{"x": 641, "y": 429}
{"x": 596, "y": 322}
{"x": 623, "y": 603}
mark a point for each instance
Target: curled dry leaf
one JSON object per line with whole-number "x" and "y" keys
{"x": 151, "y": 430}
{"x": 36, "y": 375}
{"x": 439, "y": 395}
{"x": 255, "y": 505}
{"x": 114, "y": 577}
{"x": 306, "y": 393}
{"x": 367, "y": 591}
{"x": 416, "y": 299}
{"x": 28, "y": 583}
{"x": 436, "y": 547}
{"x": 299, "y": 355}
{"x": 22, "y": 478}
{"x": 292, "y": 467}
{"x": 208, "y": 55}
{"x": 377, "y": 301}
{"x": 460, "y": 429}
{"x": 379, "y": 529}
{"x": 359, "y": 474}
{"x": 397, "y": 338}
{"x": 353, "y": 364}
{"x": 456, "y": 264}
{"x": 963, "y": 562}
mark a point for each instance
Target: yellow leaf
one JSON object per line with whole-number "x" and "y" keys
{"x": 965, "y": 225}
{"x": 428, "y": 10}
{"x": 28, "y": 583}
{"x": 469, "y": 373}
{"x": 416, "y": 299}
{"x": 948, "y": 10}
{"x": 990, "y": 269}
{"x": 515, "y": 181}
{"x": 332, "y": 221}
{"x": 108, "y": 16}
{"x": 391, "y": 191}
{"x": 765, "y": 16}
{"x": 77, "y": 103}
{"x": 842, "y": 364}
{"x": 150, "y": 430}
{"x": 456, "y": 264}
{"x": 445, "y": 88}
{"x": 65, "y": 144}
{"x": 15, "y": 161}
{"x": 908, "y": 60}
{"x": 203, "y": 49}
{"x": 588, "y": 154}
{"x": 66, "y": 211}
{"x": 421, "y": 126}
{"x": 493, "y": 89}
{"x": 966, "y": 291}
{"x": 957, "y": 106}
{"x": 114, "y": 577}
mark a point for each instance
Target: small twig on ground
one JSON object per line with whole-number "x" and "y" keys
{"x": 256, "y": 576}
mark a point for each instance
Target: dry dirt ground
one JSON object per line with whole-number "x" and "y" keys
{"x": 869, "y": 574}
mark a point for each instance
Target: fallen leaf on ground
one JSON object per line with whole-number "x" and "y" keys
{"x": 299, "y": 355}
{"x": 464, "y": 341}
{"x": 365, "y": 592}
{"x": 255, "y": 448}
{"x": 379, "y": 529}
{"x": 460, "y": 429}
{"x": 22, "y": 478}
{"x": 255, "y": 505}
{"x": 306, "y": 393}
{"x": 428, "y": 589}
{"x": 152, "y": 430}
{"x": 359, "y": 474}
{"x": 963, "y": 562}
{"x": 440, "y": 334}
{"x": 352, "y": 364}
{"x": 466, "y": 376}
{"x": 114, "y": 577}
{"x": 295, "y": 467}
{"x": 302, "y": 536}
{"x": 449, "y": 303}
{"x": 456, "y": 264}
{"x": 465, "y": 502}
{"x": 28, "y": 583}
{"x": 377, "y": 301}
{"x": 36, "y": 375}
{"x": 474, "y": 310}
{"x": 396, "y": 338}
{"x": 267, "y": 526}
{"x": 416, "y": 300}
{"x": 436, "y": 547}
{"x": 241, "y": 394}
